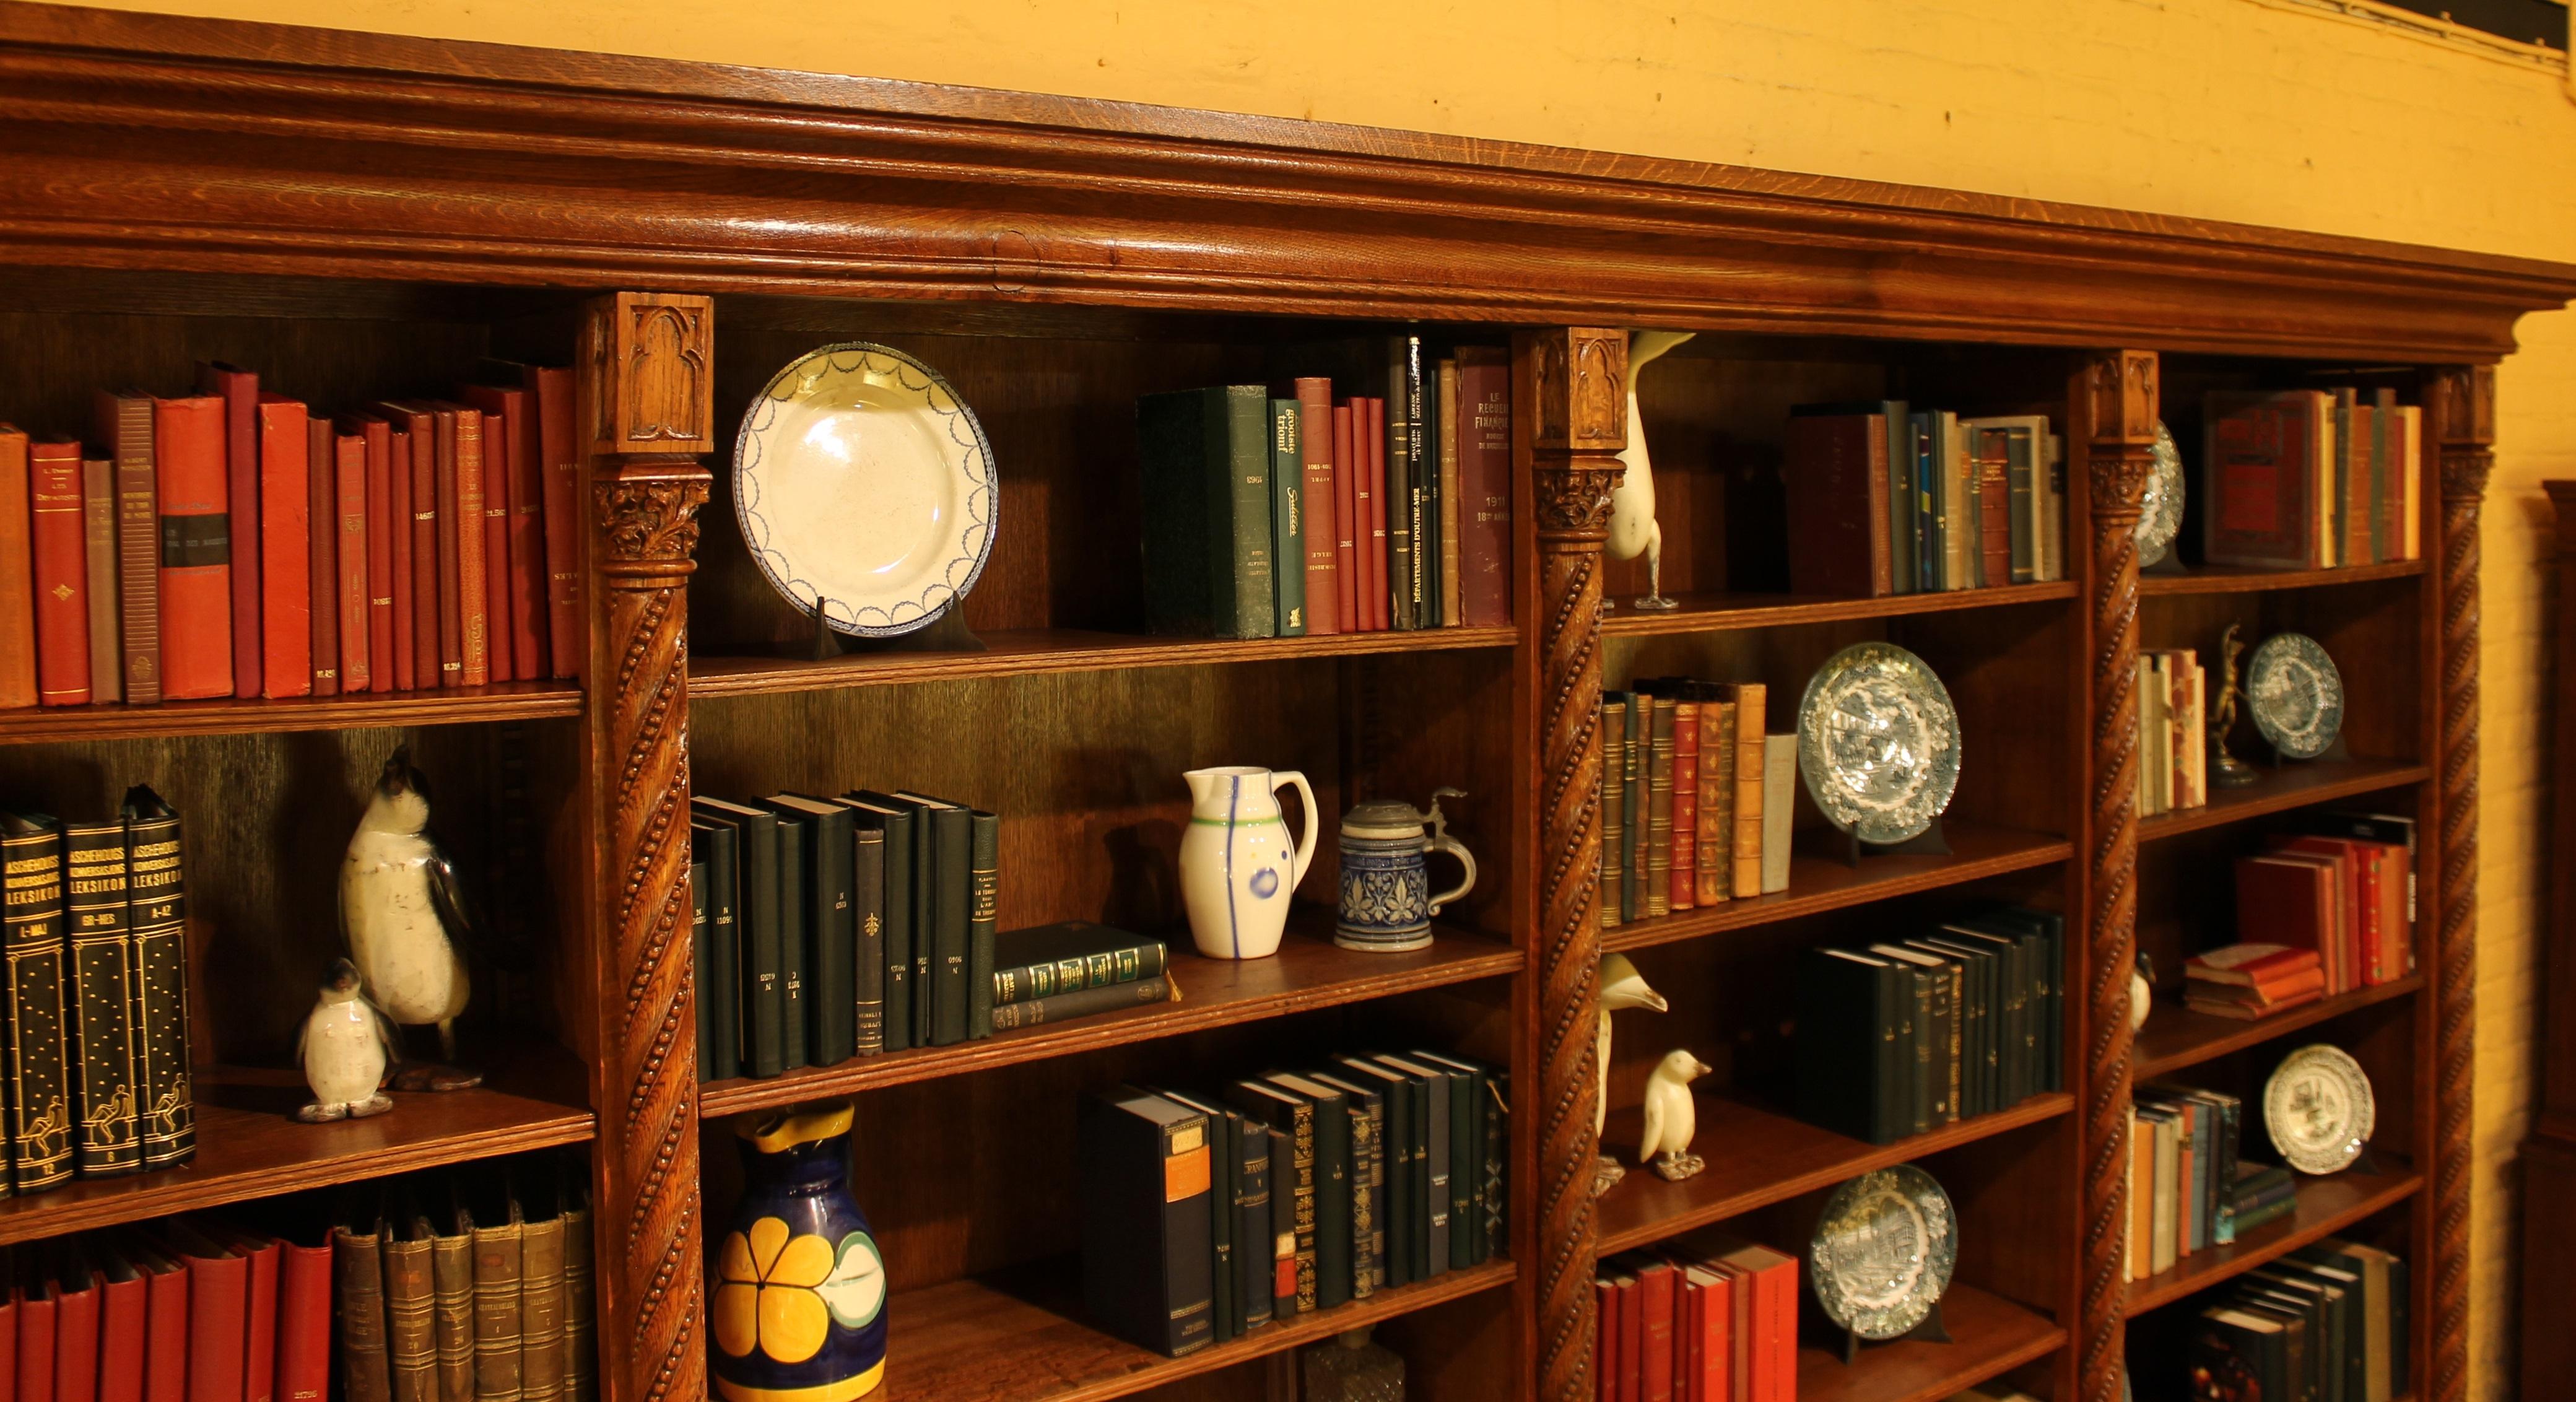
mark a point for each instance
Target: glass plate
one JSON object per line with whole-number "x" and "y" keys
{"x": 1878, "y": 742}
{"x": 1884, "y": 1249}
{"x": 2296, "y": 695}
{"x": 2161, "y": 519}
{"x": 2318, "y": 1109}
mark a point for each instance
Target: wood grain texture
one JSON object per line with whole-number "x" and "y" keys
{"x": 2283, "y": 788}
{"x": 2549, "y": 1152}
{"x": 2177, "y": 1037}
{"x": 1571, "y": 386}
{"x": 2117, "y": 396}
{"x": 1989, "y": 1334}
{"x": 642, "y": 394}
{"x": 2326, "y": 1206}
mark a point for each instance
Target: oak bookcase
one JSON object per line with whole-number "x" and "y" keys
{"x": 357, "y": 215}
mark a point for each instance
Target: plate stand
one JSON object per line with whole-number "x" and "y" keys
{"x": 947, "y": 633}
{"x": 2337, "y": 750}
{"x": 1930, "y": 1331}
{"x": 1928, "y": 843}
{"x": 2171, "y": 564}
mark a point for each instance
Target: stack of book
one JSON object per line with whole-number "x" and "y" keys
{"x": 97, "y": 1080}
{"x": 2173, "y": 723}
{"x": 2263, "y": 1193}
{"x": 1903, "y": 1037}
{"x": 1207, "y": 1216}
{"x": 1719, "y": 1324}
{"x": 235, "y": 542}
{"x": 2327, "y": 1321}
{"x": 1695, "y": 797}
{"x": 2311, "y": 479}
{"x": 2347, "y": 898}
{"x": 1305, "y": 515}
{"x": 828, "y": 929}
{"x": 2182, "y": 1176}
{"x": 1884, "y": 499}
{"x": 2251, "y": 981}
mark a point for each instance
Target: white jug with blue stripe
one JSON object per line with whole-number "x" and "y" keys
{"x": 1238, "y": 866}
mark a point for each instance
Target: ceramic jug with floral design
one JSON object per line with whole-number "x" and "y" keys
{"x": 799, "y": 1299}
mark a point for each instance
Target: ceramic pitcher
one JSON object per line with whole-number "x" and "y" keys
{"x": 1238, "y": 867}
{"x": 1386, "y": 878}
{"x": 799, "y": 1299}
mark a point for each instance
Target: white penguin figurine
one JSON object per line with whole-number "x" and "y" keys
{"x": 1621, "y": 987}
{"x": 1671, "y": 1119}
{"x": 344, "y": 1050}
{"x": 404, "y": 913}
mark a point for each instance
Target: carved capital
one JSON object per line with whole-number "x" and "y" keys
{"x": 1574, "y": 494}
{"x": 650, "y": 519}
{"x": 2466, "y": 405}
{"x": 2122, "y": 396}
{"x": 1579, "y": 380}
{"x": 651, "y": 356}
{"x": 2119, "y": 481}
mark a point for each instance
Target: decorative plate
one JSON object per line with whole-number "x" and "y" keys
{"x": 1883, "y": 1252}
{"x": 2161, "y": 520}
{"x": 2318, "y": 1109}
{"x": 1878, "y": 742}
{"x": 865, "y": 488}
{"x": 2296, "y": 695}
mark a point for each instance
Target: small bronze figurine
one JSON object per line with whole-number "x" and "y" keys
{"x": 2226, "y": 770}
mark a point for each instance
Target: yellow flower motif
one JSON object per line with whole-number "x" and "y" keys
{"x": 767, "y": 1297}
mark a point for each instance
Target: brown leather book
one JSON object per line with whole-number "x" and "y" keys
{"x": 17, "y": 588}
{"x": 1838, "y": 513}
{"x": 61, "y": 572}
{"x": 322, "y": 554}
{"x": 356, "y": 1264}
{"x": 1315, "y": 463}
{"x": 124, "y": 427}
{"x": 349, "y": 466}
{"x": 514, "y": 489}
{"x": 1713, "y": 869}
{"x": 463, "y": 582}
{"x": 541, "y": 1301}
{"x": 1485, "y": 485}
{"x": 417, "y": 494}
{"x": 1685, "y": 855}
{"x": 1751, "y": 699}
{"x": 581, "y": 1375}
{"x": 497, "y": 1277}
{"x": 451, "y": 1265}
{"x": 410, "y": 1334}
{"x": 550, "y": 387}
{"x": 1659, "y": 812}
{"x": 98, "y": 531}
{"x": 1992, "y": 466}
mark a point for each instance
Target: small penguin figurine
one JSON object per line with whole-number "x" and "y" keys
{"x": 1621, "y": 987}
{"x": 1671, "y": 1119}
{"x": 405, "y": 916}
{"x": 344, "y": 1050}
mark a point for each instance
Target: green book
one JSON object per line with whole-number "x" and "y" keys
{"x": 1205, "y": 458}
{"x": 1287, "y": 519}
{"x": 983, "y": 914}
{"x": 826, "y": 832}
{"x": 712, "y": 847}
{"x": 1466, "y": 1155}
{"x": 702, "y": 957}
{"x": 756, "y": 913}
{"x": 923, "y": 888}
{"x": 952, "y": 836}
{"x": 895, "y": 824}
{"x": 795, "y": 978}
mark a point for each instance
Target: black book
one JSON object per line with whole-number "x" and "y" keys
{"x": 1204, "y": 456}
{"x": 925, "y": 909}
{"x": 2329, "y": 1321}
{"x": 1978, "y": 1093}
{"x": 1942, "y": 1009}
{"x": 1334, "y": 1254}
{"x": 1292, "y": 1181}
{"x": 1367, "y": 1108}
{"x": 1397, "y": 1096}
{"x": 1068, "y": 956}
{"x": 868, "y": 931}
{"x": 2243, "y": 1353}
{"x": 795, "y": 944}
{"x": 1478, "y": 1145}
{"x": 1255, "y": 1241}
{"x": 952, "y": 838}
{"x": 1925, "y": 1030}
{"x": 2011, "y": 1074}
{"x": 757, "y": 915}
{"x": 983, "y": 916}
{"x": 102, "y": 999}
{"x": 1225, "y": 1128}
{"x": 1284, "y": 1275}
{"x": 712, "y": 845}
{"x": 1431, "y": 1141}
{"x": 828, "y": 834}
{"x": 2308, "y": 1338}
{"x": 902, "y": 907}
{"x": 1146, "y": 1177}
{"x": 702, "y": 958}
{"x": 39, "y": 1085}
{"x": 1081, "y": 1002}
{"x": 1404, "y": 414}
{"x": 2357, "y": 1324}
{"x": 156, "y": 919}
{"x": 1847, "y": 1025}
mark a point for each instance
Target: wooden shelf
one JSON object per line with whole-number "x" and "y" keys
{"x": 1030, "y": 651}
{"x": 1022, "y": 1339}
{"x": 1819, "y": 882}
{"x": 250, "y": 1146}
{"x": 1309, "y": 971}
{"x": 2326, "y": 1206}
{"x": 2236, "y": 579}
{"x": 2176, "y": 1037}
{"x": 504, "y": 701}
{"x": 1988, "y": 1335}
{"x": 2295, "y": 785}
{"x": 1763, "y": 1158}
{"x": 1711, "y": 613}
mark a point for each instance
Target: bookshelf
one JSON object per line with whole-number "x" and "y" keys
{"x": 185, "y": 188}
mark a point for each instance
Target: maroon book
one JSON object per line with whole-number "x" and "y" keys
{"x": 417, "y": 494}
{"x": 1370, "y": 440}
{"x": 1485, "y": 485}
{"x": 378, "y": 436}
{"x": 239, "y": 389}
{"x": 349, "y": 465}
{"x": 1836, "y": 473}
{"x": 322, "y": 573}
{"x": 1315, "y": 448}
{"x": 514, "y": 487}
{"x": 1345, "y": 521}
{"x": 285, "y": 548}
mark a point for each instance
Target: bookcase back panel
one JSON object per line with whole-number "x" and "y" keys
{"x": 2380, "y": 1037}
{"x": 1426, "y": 721}
{"x": 2370, "y": 628}
{"x": 2187, "y": 886}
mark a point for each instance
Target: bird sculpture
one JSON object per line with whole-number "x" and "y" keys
{"x": 1671, "y": 1119}
{"x": 405, "y": 916}
{"x": 1621, "y": 987}
{"x": 344, "y": 1050}
{"x": 1633, "y": 528}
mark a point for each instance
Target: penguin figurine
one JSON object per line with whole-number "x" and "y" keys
{"x": 404, "y": 913}
{"x": 344, "y": 1049}
{"x": 1671, "y": 1119}
{"x": 1621, "y": 987}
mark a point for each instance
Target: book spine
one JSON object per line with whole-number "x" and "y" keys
{"x": 498, "y": 1370}
{"x": 903, "y": 984}
{"x": 98, "y": 521}
{"x": 1685, "y": 838}
{"x": 1059, "y": 1007}
{"x": 500, "y": 601}
{"x": 411, "y": 1336}
{"x": 1283, "y": 1225}
{"x": 1239, "y": 458}
{"x": 473, "y": 558}
{"x": 448, "y": 557}
{"x": 156, "y": 920}
{"x": 984, "y": 878}
{"x": 383, "y": 669}
{"x": 1370, "y": 438}
{"x": 581, "y": 1377}
{"x": 1614, "y": 759}
{"x": 366, "y": 1371}
{"x": 1125, "y": 964}
{"x": 952, "y": 839}
{"x": 1632, "y": 806}
{"x": 451, "y": 1274}
{"x": 303, "y": 1323}
{"x": 2021, "y": 479}
{"x": 322, "y": 557}
{"x": 1308, "y": 1175}
{"x": 238, "y": 393}
{"x": 1252, "y": 1234}
{"x": 285, "y": 549}
{"x": 795, "y": 971}
{"x": 1453, "y": 425}
{"x": 1994, "y": 512}
{"x": 1396, "y": 481}
{"x": 541, "y": 1310}
{"x": 830, "y": 866}
{"x": 1752, "y": 699}
{"x": 415, "y": 477}
{"x": 1318, "y": 545}
{"x": 702, "y": 956}
{"x": 1712, "y": 858}
{"x": 191, "y": 503}
{"x": 39, "y": 1100}
{"x": 349, "y": 467}
{"x": 1351, "y": 580}
{"x": 17, "y": 587}
{"x": 556, "y": 439}
{"x": 868, "y": 906}
{"x": 102, "y": 998}
{"x": 1287, "y": 519}
{"x": 60, "y": 541}
{"x": 126, "y": 428}
{"x": 1659, "y": 813}
{"x": 1180, "y": 456}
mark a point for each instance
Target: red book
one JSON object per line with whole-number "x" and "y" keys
{"x": 123, "y": 1303}
{"x": 1655, "y": 1282}
{"x": 349, "y": 469}
{"x": 1632, "y": 1340}
{"x": 556, "y": 439}
{"x": 1605, "y": 1339}
{"x": 1315, "y": 449}
{"x": 2267, "y": 479}
{"x": 1836, "y": 473}
{"x": 218, "y": 1315}
{"x": 259, "y": 1319}
{"x": 285, "y": 549}
{"x": 239, "y": 390}
{"x": 418, "y": 497}
{"x": 2285, "y": 899}
{"x": 61, "y": 550}
{"x": 165, "y": 1321}
{"x": 17, "y": 574}
{"x": 2250, "y": 965}
{"x": 76, "y": 1310}
{"x": 2357, "y": 903}
{"x": 1485, "y": 485}
{"x": 304, "y": 1323}
{"x": 1684, "y": 881}
{"x": 1345, "y": 518}
{"x": 382, "y": 522}
{"x": 473, "y": 567}
{"x": 398, "y": 477}
{"x": 322, "y": 555}
{"x": 1368, "y": 434}
{"x": 8, "y": 1344}
{"x": 192, "y": 499}
{"x": 514, "y": 450}
{"x": 36, "y": 1341}
{"x": 499, "y": 652}
{"x": 1712, "y": 1317}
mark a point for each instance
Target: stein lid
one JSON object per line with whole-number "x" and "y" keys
{"x": 1385, "y": 813}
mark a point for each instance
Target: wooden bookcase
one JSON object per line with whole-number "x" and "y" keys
{"x": 357, "y": 215}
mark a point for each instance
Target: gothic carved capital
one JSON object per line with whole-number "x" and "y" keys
{"x": 650, "y": 520}
{"x": 2123, "y": 397}
{"x": 651, "y": 355}
{"x": 2119, "y": 481}
{"x": 1574, "y": 494}
{"x": 1579, "y": 379}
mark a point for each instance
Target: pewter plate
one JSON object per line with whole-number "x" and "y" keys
{"x": 2296, "y": 695}
{"x": 865, "y": 488}
{"x": 1883, "y": 1252}
{"x": 2160, "y": 520}
{"x": 1878, "y": 742}
{"x": 2318, "y": 1109}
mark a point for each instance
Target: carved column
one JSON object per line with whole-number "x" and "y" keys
{"x": 2118, "y": 394}
{"x": 2463, "y": 414}
{"x": 1572, "y": 386}
{"x": 646, "y": 408}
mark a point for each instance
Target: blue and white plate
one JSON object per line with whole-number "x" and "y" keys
{"x": 866, "y": 489}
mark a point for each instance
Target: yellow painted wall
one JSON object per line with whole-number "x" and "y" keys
{"x": 2267, "y": 111}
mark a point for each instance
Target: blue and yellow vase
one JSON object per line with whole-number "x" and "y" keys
{"x": 799, "y": 1300}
